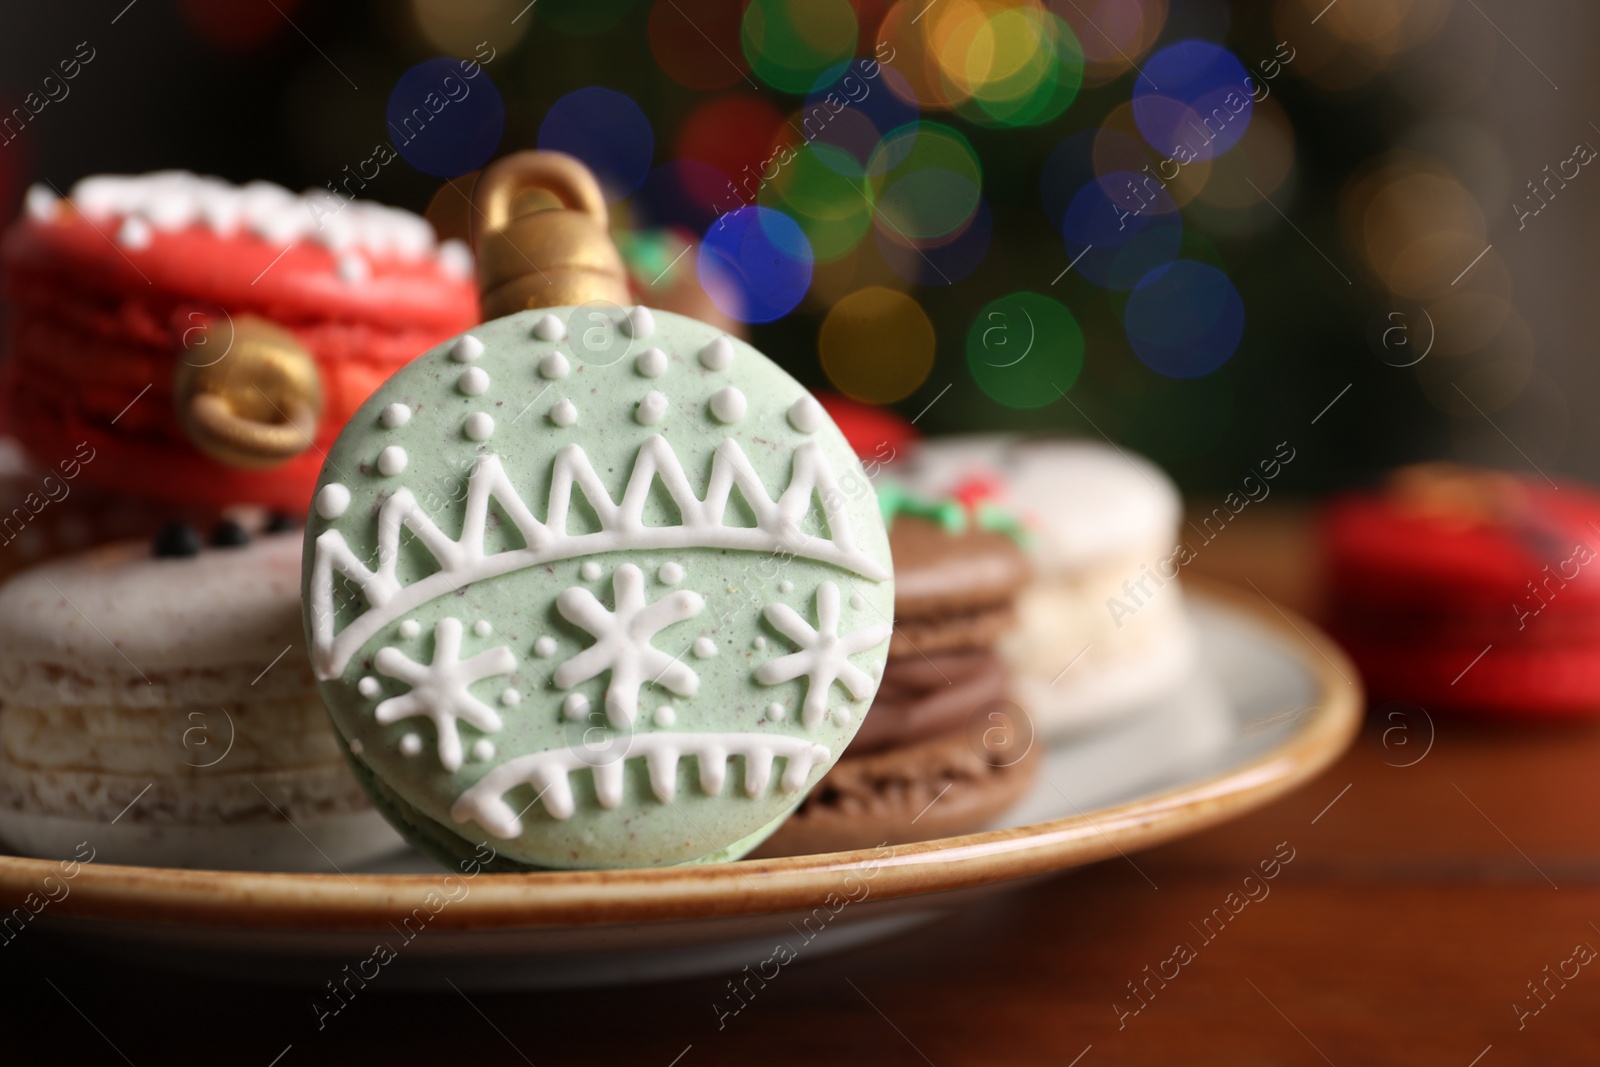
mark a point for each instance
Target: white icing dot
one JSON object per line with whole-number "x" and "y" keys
{"x": 410, "y": 628}
{"x": 550, "y": 328}
{"x": 841, "y": 716}
{"x": 479, "y": 426}
{"x": 760, "y": 641}
{"x": 554, "y": 366}
{"x": 639, "y": 323}
{"x": 135, "y": 233}
{"x": 545, "y": 647}
{"x": 718, "y": 355}
{"x": 392, "y": 460}
{"x": 565, "y": 413}
{"x": 510, "y": 698}
{"x": 806, "y": 415}
{"x": 466, "y": 349}
{"x": 356, "y": 747}
{"x": 474, "y": 381}
{"x": 410, "y": 745}
{"x": 332, "y": 499}
{"x": 728, "y": 404}
{"x": 704, "y": 647}
{"x": 666, "y": 715}
{"x": 786, "y": 586}
{"x": 590, "y": 570}
{"x": 394, "y": 416}
{"x": 575, "y": 707}
{"x": 352, "y": 268}
{"x": 455, "y": 258}
{"x": 857, "y": 600}
{"x": 652, "y": 363}
{"x": 482, "y": 628}
{"x": 670, "y": 573}
{"x": 369, "y": 687}
{"x": 651, "y": 409}
{"x": 41, "y": 202}
{"x": 483, "y": 749}
{"x": 777, "y": 712}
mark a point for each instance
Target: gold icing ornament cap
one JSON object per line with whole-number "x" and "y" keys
{"x": 246, "y": 392}
{"x": 541, "y": 235}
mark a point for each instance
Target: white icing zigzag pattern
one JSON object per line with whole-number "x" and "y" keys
{"x": 622, "y": 528}
{"x": 622, "y": 642}
{"x": 547, "y": 772}
{"x": 824, "y": 655}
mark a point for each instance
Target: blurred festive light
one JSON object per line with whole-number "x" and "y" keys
{"x": 1118, "y": 146}
{"x": 877, "y": 345}
{"x": 1024, "y": 350}
{"x": 582, "y": 18}
{"x": 674, "y": 194}
{"x": 1191, "y": 100}
{"x": 607, "y": 131}
{"x": 832, "y": 206}
{"x": 852, "y": 107}
{"x": 861, "y": 267}
{"x": 1066, "y": 169}
{"x": 928, "y": 180}
{"x": 237, "y": 27}
{"x": 1119, "y": 228}
{"x": 1184, "y": 319}
{"x": 737, "y": 134}
{"x": 442, "y": 122}
{"x": 791, "y": 43}
{"x": 940, "y": 262}
{"x": 1459, "y": 321}
{"x": 458, "y": 27}
{"x": 755, "y": 263}
{"x": 1257, "y": 166}
{"x": 1112, "y": 33}
{"x": 701, "y": 52}
{"x": 1401, "y": 202}
{"x": 1022, "y": 67}
{"x": 1356, "y": 41}
{"x": 915, "y": 55}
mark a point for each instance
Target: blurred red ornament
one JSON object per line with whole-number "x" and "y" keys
{"x": 237, "y": 27}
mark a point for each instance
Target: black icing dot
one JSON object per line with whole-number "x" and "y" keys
{"x": 281, "y": 522}
{"x": 228, "y": 534}
{"x": 176, "y": 540}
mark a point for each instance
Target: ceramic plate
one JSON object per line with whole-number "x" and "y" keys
{"x": 1275, "y": 703}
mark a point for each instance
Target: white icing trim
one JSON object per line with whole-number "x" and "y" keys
{"x": 484, "y": 803}
{"x": 464, "y": 560}
{"x": 176, "y": 200}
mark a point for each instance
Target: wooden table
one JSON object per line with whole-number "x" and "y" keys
{"x": 1429, "y": 886}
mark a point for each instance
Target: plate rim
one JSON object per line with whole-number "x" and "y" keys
{"x": 590, "y": 898}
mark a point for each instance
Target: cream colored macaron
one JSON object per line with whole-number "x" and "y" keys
{"x": 1103, "y": 630}
{"x": 163, "y": 710}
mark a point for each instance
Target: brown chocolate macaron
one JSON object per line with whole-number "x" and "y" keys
{"x": 942, "y": 751}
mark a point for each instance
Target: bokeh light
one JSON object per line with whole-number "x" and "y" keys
{"x": 1191, "y": 101}
{"x": 755, "y": 263}
{"x": 877, "y": 345}
{"x": 1021, "y": 66}
{"x": 928, "y": 181}
{"x": 941, "y": 262}
{"x": 1118, "y": 146}
{"x": 701, "y": 52}
{"x": 459, "y": 27}
{"x": 736, "y": 134}
{"x": 1024, "y": 350}
{"x": 1258, "y": 164}
{"x": 443, "y": 123}
{"x": 674, "y": 194}
{"x": 1112, "y": 33}
{"x": 607, "y": 131}
{"x": 1068, "y": 166}
{"x": 862, "y": 110}
{"x": 1120, "y": 227}
{"x": 1184, "y": 319}
{"x": 791, "y": 43}
{"x": 832, "y": 206}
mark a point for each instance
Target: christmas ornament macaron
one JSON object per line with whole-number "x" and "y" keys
{"x": 601, "y": 587}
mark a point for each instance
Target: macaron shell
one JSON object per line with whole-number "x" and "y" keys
{"x": 720, "y": 601}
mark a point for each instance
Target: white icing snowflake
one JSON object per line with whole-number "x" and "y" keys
{"x": 622, "y": 642}
{"x": 824, "y": 656}
{"x": 439, "y": 690}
